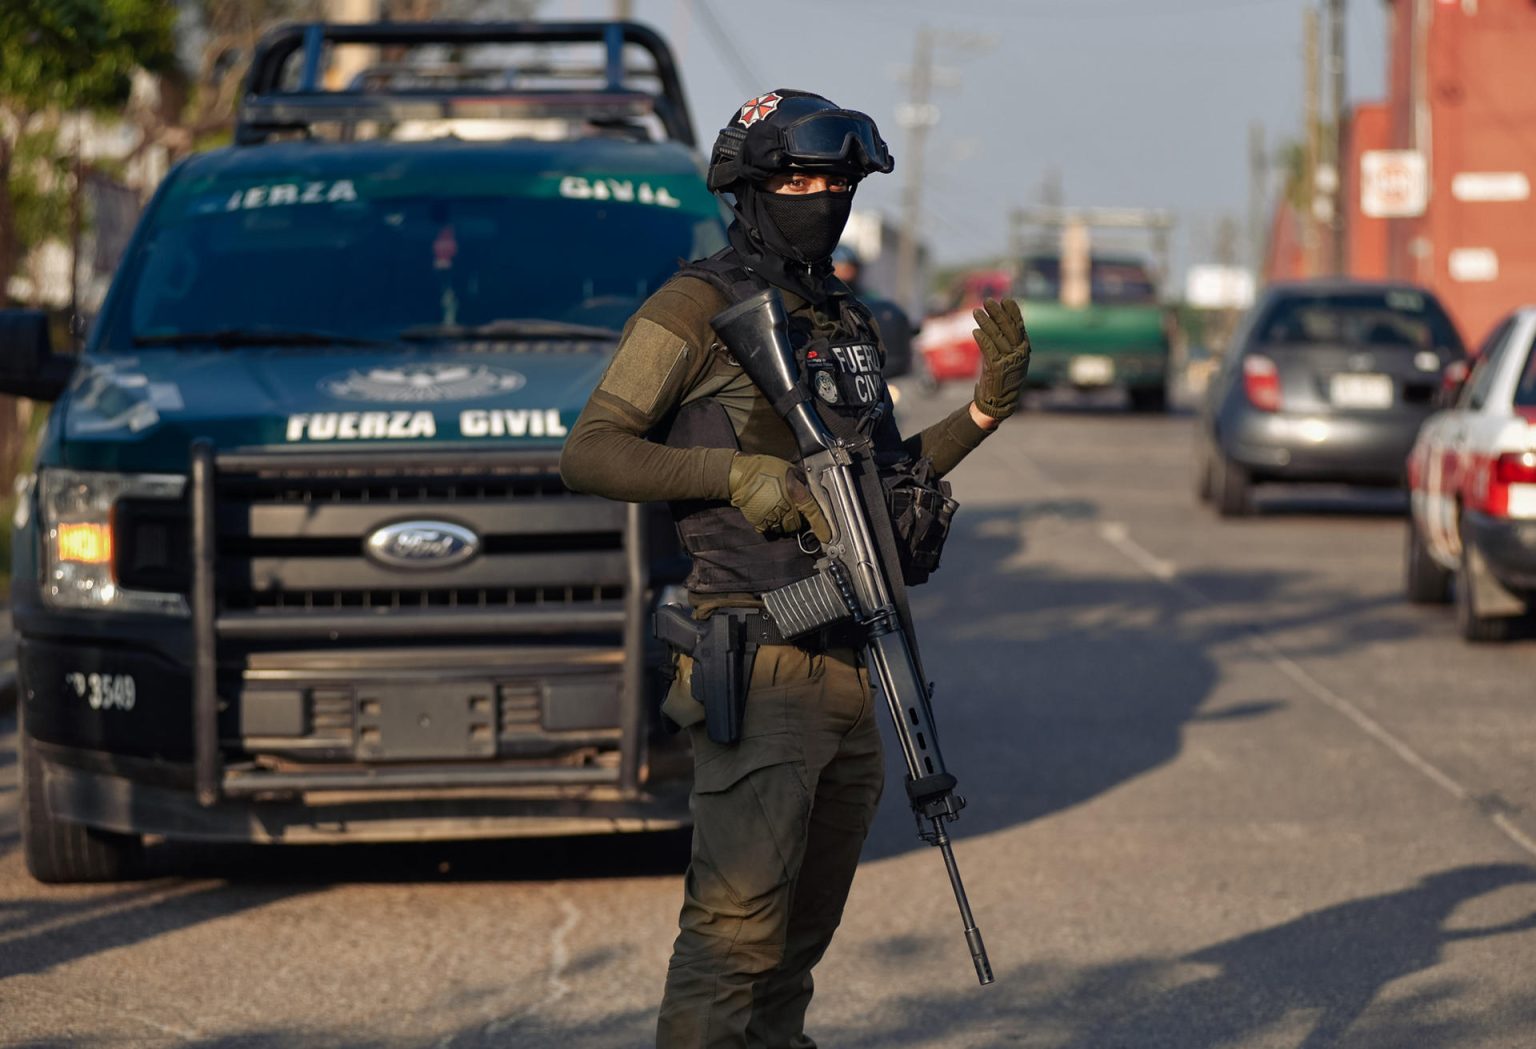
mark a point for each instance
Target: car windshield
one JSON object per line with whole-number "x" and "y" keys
{"x": 1408, "y": 320}
{"x": 373, "y": 257}
{"x": 1112, "y": 282}
{"x": 1040, "y": 280}
{"x": 1121, "y": 283}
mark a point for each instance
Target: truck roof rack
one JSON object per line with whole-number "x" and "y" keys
{"x": 279, "y": 98}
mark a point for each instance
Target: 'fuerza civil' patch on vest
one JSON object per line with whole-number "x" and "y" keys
{"x": 649, "y": 359}
{"x": 846, "y": 374}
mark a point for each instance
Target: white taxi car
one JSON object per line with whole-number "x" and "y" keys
{"x": 1472, "y": 473}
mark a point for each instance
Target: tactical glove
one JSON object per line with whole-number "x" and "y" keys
{"x": 1004, "y": 357}
{"x": 774, "y": 496}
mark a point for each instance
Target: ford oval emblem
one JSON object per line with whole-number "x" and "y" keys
{"x": 422, "y": 544}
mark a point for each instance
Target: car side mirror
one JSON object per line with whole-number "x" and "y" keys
{"x": 1452, "y": 379}
{"x": 28, "y": 365}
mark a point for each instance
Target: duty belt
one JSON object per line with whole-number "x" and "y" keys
{"x": 760, "y": 628}
{"x": 724, "y": 647}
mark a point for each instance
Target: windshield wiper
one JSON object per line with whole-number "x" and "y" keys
{"x": 508, "y": 330}
{"x": 253, "y": 336}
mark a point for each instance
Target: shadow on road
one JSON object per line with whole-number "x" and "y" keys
{"x": 1310, "y": 983}
{"x": 1055, "y": 686}
{"x": 1313, "y": 982}
{"x": 1330, "y": 501}
{"x": 55, "y": 928}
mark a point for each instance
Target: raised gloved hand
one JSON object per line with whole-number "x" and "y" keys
{"x": 774, "y": 496}
{"x": 1004, "y": 357}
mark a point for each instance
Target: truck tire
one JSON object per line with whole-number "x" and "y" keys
{"x": 1473, "y": 622}
{"x": 58, "y": 852}
{"x": 1425, "y": 580}
{"x": 1149, "y": 399}
{"x": 1231, "y": 487}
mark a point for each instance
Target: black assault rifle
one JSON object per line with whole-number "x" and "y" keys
{"x": 858, "y": 576}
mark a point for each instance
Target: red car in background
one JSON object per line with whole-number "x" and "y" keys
{"x": 945, "y": 338}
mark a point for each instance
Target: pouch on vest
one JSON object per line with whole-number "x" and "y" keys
{"x": 922, "y": 510}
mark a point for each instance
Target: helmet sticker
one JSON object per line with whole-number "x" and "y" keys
{"x": 758, "y": 108}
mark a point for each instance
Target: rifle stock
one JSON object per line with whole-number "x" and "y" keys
{"x": 854, "y": 577}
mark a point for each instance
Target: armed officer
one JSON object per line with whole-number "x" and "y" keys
{"x": 787, "y": 756}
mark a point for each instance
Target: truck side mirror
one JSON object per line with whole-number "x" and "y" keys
{"x": 28, "y": 365}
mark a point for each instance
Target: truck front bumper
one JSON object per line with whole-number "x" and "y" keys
{"x": 1089, "y": 370}
{"x": 443, "y": 803}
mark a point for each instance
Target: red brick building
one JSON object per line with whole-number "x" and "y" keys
{"x": 1461, "y": 94}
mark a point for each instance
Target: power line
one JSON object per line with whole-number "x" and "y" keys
{"x": 742, "y": 71}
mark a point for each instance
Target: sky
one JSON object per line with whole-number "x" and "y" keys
{"x": 1135, "y": 103}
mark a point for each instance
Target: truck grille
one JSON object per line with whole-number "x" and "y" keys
{"x": 290, "y": 539}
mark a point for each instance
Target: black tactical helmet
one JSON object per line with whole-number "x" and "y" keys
{"x": 795, "y": 130}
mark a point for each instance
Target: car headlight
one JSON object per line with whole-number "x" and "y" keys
{"x": 76, "y": 508}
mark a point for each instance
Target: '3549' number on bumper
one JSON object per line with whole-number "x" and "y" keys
{"x": 104, "y": 691}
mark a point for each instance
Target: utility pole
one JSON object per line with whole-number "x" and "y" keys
{"x": 1336, "y": 71}
{"x": 1258, "y": 197}
{"x": 1313, "y": 158}
{"x": 917, "y": 116}
{"x": 623, "y": 10}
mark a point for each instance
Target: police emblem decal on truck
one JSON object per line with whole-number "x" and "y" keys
{"x": 625, "y": 191}
{"x": 360, "y": 426}
{"x": 423, "y": 383}
{"x": 405, "y": 425}
{"x": 281, "y": 193}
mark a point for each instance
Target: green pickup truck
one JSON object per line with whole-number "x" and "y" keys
{"x": 1109, "y": 331}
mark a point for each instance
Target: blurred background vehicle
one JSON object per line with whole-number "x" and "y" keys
{"x": 944, "y": 338}
{"x": 896, "y": 329}
{"x": 1117, "y": 336}
{"x": 1328, "y": 381}
{"x": 1091, "y": 296}
{"x": 1472, "y": 478}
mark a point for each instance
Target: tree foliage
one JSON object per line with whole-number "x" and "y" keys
{"x": 80, "y": 54}
{"x": 58, "y": 57}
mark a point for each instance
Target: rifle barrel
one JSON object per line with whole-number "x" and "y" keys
{"x": 972, "y": 933}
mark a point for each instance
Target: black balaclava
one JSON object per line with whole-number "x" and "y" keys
{"x": 789, "y": 238}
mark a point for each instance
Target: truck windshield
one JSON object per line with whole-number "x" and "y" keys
{"x": 372, "y": 258}
{"x": 1112, "y": 282}
{"x": 1407, "y": 320}
{"x": 1116, "y": 282}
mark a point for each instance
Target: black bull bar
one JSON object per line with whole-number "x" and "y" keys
{"x": 211, "y": 624}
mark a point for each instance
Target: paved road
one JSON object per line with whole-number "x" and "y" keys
{"x": 1227, "y": 791}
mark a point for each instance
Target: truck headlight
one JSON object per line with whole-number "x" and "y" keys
{"x": 76, "y": 509}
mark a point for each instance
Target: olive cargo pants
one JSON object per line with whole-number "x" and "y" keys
{"x": 779, "y": 819}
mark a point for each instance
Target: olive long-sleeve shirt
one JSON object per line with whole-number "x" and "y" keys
{"x": 664, "y": 360}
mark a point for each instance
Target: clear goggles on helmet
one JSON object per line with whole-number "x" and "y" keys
{"x": 836, "y": 136}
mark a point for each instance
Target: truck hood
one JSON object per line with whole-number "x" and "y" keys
{"x": 142, "y": 412}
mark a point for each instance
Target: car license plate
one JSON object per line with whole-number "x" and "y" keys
{"x": 1361, "y": 391}
{"x": 1091, "y": 371}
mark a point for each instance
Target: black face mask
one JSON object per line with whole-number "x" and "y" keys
{"x": 809, "y": 224}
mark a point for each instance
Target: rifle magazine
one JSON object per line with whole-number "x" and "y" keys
{"x": 810, "y": 604}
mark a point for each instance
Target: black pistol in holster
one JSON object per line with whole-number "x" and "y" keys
{"x": 723, "y": 653}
